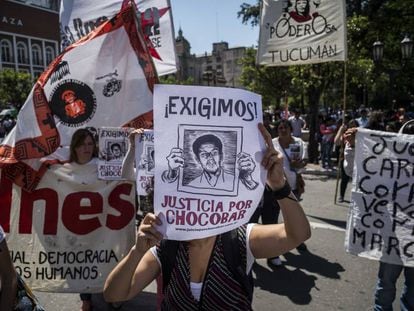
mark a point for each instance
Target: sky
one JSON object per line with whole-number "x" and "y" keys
{"x": 204, "y": 22}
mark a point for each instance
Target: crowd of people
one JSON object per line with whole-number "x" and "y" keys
{"x": 195, "y": 276}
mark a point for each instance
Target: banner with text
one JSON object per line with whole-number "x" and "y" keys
{"x": 145, "y": 159}
{"x": 381, "y": 218}
{"x": 113, "y": 145}
{"x": 79, "y": 17}
{"x": 294, "y": 32}
{"x": 69, "y": 233}
{"x": 208, "y": 177}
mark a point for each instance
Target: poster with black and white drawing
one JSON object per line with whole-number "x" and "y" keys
{"x": 144, "y": 157}
{"x": 113, "y": 145}
{"x": 381, "y": 219}
{"x": 208, "y": 178}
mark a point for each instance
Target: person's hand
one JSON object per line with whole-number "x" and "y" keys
{"x": 175, "y": 159}
{"x": 272, "y": 162}
{"x": 147, "y": 235}
{"x": 132, "y": 134}
{"x": 349, "y": 136}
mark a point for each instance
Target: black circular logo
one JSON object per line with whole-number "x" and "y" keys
{"x": 73, "y": 102}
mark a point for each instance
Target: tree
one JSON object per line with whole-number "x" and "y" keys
{"x": 14, "y": 87}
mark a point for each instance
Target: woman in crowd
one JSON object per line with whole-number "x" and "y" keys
{"x": 340, "y": 142}
{"x": 8, "y": 280}
{"x": 201, "y": 279}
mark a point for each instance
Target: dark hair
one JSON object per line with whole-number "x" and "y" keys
{"x": 375, "y": 121}
{"x": 209, "y": 138}
{"x": 284, "y": 122}
{"x": 115, "y": 145}
{"x": 408, "y": 127}
{"x": 77, "y": 139}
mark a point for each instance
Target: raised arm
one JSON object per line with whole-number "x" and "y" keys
{"x": 138, "y": 268}
{"x": 272, "y": 240}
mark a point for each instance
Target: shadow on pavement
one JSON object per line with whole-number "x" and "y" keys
{"x": 336, "y": 223}
{"x": 296, "y": 284}
{"x": 291, "y": 279}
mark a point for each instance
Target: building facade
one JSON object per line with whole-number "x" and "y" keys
{"x": 29, "y": 34}
{"x": 222, "y": 67}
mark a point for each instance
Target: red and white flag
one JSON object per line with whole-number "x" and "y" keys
{"x": 104, "y": 79}
{"x": 79, "y": 17}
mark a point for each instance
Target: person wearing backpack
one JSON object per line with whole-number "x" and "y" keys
{"x": 202, "y": 275}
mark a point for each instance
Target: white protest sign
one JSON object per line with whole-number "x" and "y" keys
{"x": 145, "y": 159}
{"x": 79, "y": 17}
{"x": 381, "y": 218}
{"x": 113, "y": 145}
{"x": 301, "y": 32}
{"x": 208, "y": 177}
{"x": 71, "y": 231}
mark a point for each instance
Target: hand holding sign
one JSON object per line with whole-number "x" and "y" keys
{"x": 147, "y": 235}
{"x": 272, "y": 162}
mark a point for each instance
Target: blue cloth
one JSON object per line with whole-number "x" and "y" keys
{"x": 385, "y": 291}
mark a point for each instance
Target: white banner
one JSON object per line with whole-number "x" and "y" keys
{"x": 106, "y": 79}
{"x": 113, "y": 145}
{"x": 381, "y": 218}
{"x": 208, "y": 177}
{"x": 145, "y": 159}
{"x": 69, "y": 233}
{"x": 294, "y": 32}
{"x": 79, "y": 17}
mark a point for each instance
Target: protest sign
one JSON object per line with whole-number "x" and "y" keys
{"x": 69, "y": 233}
{"x": 113, "y": 145}
{"x": 79, "y": 17}
{"x": 208, "y": 177}
{"x": 381, "y": 219}
{"x": 294, "y": 32}
{"x": 106, "y": 79}
{"x": 145, "y": 159}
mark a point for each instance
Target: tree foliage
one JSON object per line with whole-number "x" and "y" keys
{"x": 375, "y": 85}
{"x": 14, "y": 87}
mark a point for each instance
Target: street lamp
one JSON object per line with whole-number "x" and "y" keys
{"x": 406, "y": 49}
{"x": 406, "y": 53}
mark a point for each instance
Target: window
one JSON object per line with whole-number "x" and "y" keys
{"x": 37, "y": 55}
{"x": 50, "y": 54}
{"x": 6, "y": 51}
{"x": 22, "y": 53}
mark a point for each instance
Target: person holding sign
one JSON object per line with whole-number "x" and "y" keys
{"x": 8, "y": 278}
{"x": 388, "y": 273}
{"x": 200, "y": 277}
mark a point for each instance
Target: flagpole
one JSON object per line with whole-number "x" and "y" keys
{"x": 341, "y": 151}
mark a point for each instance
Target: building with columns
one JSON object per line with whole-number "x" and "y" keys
{"x": 29, "y": 34}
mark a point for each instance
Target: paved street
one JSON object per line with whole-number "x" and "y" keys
{"x": 324, "y": 278}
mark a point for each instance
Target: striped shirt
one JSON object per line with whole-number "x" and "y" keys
{"x": 220, "y": 291}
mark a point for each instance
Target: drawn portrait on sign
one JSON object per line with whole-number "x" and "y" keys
{"x": 115, "y": 151}
{"x": 149, "y": 160}
{"x": 209, "y": 160}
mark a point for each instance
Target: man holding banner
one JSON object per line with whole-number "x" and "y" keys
{"x": 381, "y": 221}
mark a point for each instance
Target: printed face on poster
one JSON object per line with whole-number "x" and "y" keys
{"x": 381, "y": 219}
{"x": 145, "y": 159}
{"x": 208, "y": 178}
{"x": 113, "y": 145}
